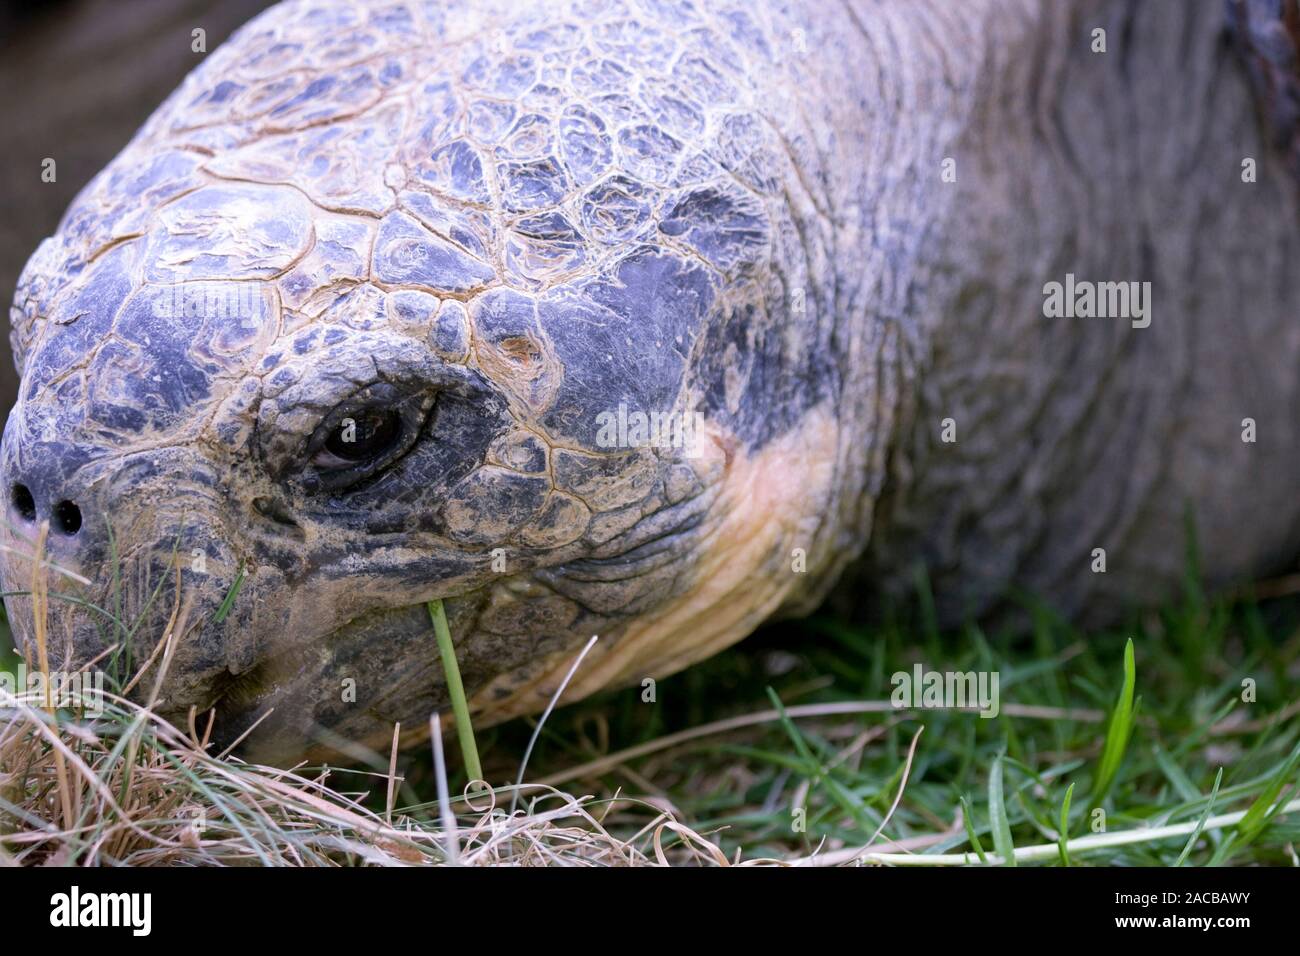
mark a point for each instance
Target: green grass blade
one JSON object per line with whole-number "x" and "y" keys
{"x": 1119, "y": 732}
{"x": 1200, "y": 824}
{"x": 1266, "y": 804}
{"x": 229, "y": 600}
{"x": 998, "y": 816}
{"x": 1063, "y": 831}
{"x": 456, "y": 689}
{"x": 1175, "y": 775}
{"x": 969, "y": 824}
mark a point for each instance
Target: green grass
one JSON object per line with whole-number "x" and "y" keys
{"x": 1192, "y": 750}
{"x": 1131, "y": 746}
{"x": 456, "y": 689}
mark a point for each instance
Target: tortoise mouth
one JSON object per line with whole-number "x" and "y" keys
{"x": 243, "y": 693}
{"x": 324, "y": 696}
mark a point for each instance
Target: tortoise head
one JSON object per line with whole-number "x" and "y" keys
{"x": 325, "y": 343}
{"x": 281, "y": 489}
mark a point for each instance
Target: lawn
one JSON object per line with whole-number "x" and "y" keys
{"x": 1171, "y": 741}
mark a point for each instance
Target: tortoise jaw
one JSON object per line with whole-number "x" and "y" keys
{"x": 328, "y": 696}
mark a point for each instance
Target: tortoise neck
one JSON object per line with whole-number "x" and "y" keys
{"x": 1079, "y": 159}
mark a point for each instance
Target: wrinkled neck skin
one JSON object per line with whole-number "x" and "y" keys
{"x": 1074, "y": 434}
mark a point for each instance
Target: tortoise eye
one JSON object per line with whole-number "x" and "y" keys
{"x": 367, "y": 434}
{"x": 364, "y": 435}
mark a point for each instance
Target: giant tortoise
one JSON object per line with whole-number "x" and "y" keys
{"x": 653, "y": 320}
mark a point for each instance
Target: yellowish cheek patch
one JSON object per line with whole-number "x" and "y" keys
{"x": 769, "y": 504}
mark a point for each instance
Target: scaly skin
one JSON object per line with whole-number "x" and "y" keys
{"x": 501, "y": 221}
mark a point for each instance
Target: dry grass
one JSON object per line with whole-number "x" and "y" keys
{"x": 128, "y": 788}
{"x": 108, "y": 781}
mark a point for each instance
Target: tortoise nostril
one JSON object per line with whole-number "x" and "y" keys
{"x": 24, "y": 503}
{"x": 67, "y": 517}
{"x": 276, "y": 510}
